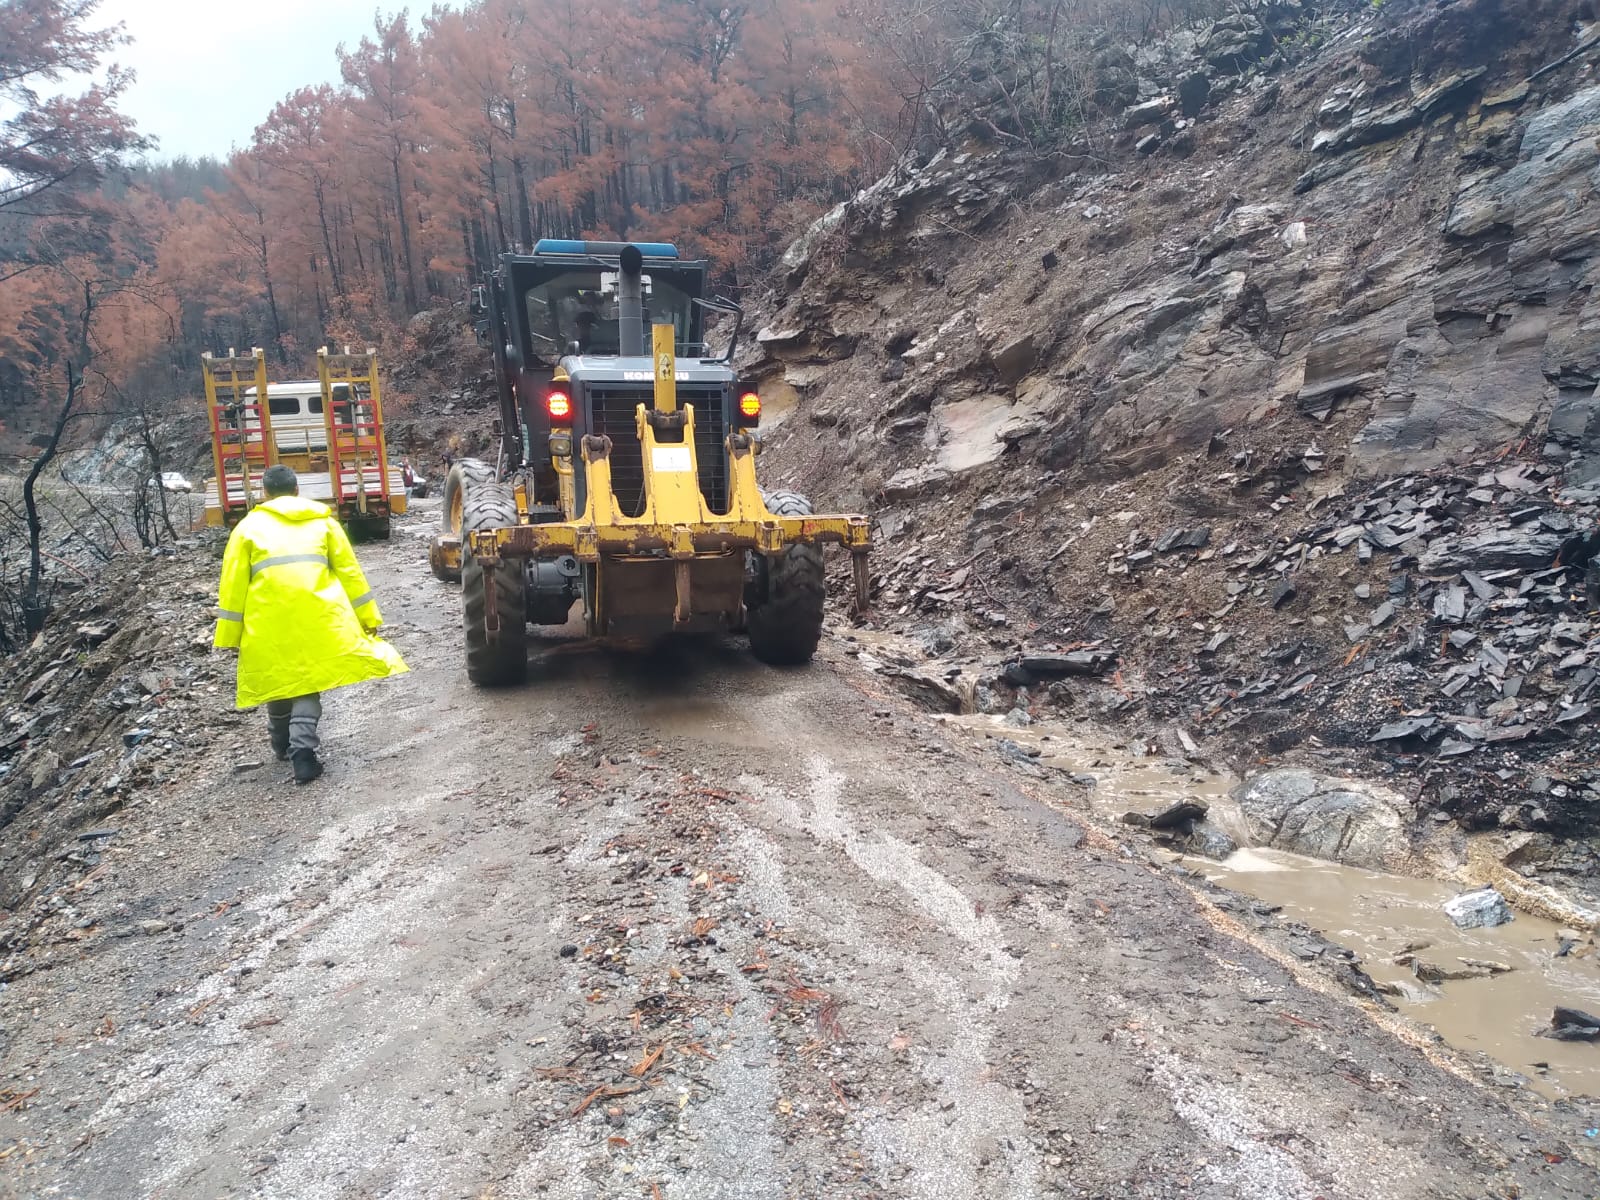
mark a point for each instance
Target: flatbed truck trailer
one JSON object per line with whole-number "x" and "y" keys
{"x": 349, "y": 471}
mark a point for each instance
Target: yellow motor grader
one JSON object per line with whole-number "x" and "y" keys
{"x": 625, "y": 478}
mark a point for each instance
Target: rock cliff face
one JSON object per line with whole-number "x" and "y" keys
{"x": 1381, "y": 218}
{"x": 1278, "y": 392}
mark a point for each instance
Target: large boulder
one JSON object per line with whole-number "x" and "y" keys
{"x": 1014, "y": 357}
{"x": 1491, "y": 550}
{"x": 1151, "y": 112}
{"x": 1234, "y": 42}
{"x": 1114, "y": 78}
{"x": 1193, "y": 93}
{"x": 1339, "y": 820}
{"x": 912, "y": 483}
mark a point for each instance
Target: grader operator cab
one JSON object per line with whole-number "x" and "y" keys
{"x": 625, "y": 476}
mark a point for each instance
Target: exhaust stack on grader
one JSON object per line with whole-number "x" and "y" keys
{"x": 625, "y": 476}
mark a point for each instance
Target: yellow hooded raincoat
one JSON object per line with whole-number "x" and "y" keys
{"x": 294, "y": 602}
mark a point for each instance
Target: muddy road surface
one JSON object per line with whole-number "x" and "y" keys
{"x": 687, "y": 926}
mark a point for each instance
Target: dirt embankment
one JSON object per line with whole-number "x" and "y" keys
{"x": 441, "y": 393}
{"x": 117, "y": 695}
{"x": 1279, "y": 405}
{"x": 691, "y": 927}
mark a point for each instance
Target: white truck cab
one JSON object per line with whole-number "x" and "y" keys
{"x": 296, "y": 412}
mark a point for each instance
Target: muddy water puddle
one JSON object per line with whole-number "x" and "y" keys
{"x": 1381, "y": 917}
{"x": 706, "y": 719}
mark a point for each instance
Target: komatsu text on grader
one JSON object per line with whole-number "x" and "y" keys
{"x": 625, "y": 477}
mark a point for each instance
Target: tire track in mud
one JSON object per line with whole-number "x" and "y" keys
{"x": 975, "y": 1117}
{"x": 774, "y": 1106}
{"x": 671, "y": 1069}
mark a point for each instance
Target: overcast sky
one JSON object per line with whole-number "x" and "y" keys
{"x": 209, "y": 71}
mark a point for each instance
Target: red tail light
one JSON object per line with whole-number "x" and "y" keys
{"x": 559, "y": 406}
{"x": 749, "y": 407}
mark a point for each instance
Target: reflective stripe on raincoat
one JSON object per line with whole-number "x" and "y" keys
{"x": 294, "y": 602}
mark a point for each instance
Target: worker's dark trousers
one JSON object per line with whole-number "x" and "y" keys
{"x": 299, "y": 717}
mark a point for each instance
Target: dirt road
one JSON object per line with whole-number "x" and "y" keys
{"x": 692, "y": 927}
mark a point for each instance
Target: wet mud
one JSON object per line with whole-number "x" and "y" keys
{"x": 686, "y": 926}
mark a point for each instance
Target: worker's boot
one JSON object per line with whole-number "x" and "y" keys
{"x": 280, "y": 741}
{"x": 307, "y": 766}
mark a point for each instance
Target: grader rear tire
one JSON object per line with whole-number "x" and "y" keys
{"x": 463, "y": 477}
{"x": 499, "y": 659}
{"x": 785, "y": 629}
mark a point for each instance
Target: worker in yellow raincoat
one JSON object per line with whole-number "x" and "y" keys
{"x": 294, "y": 603}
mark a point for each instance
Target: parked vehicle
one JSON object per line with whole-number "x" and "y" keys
{"x": 330, "y": 430}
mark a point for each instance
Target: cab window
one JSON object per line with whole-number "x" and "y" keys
{"x": 580, "y": 306}
{"x": 284, "y": 406}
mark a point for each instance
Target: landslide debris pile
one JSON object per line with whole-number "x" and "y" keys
{"x": 1442, "y": 620}
{"x": 439, "y": 385}
{"x": 101, "y": 712}
{"x": 1274, "y": 396}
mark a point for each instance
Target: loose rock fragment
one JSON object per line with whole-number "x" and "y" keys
{"x": 1075, "y": 662}
{"x": 1481, "y": 909}
{"x": 1181, "y": 815}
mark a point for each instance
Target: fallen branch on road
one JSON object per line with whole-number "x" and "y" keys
{"x": 641, "y": 1068}
{"x": 12, "y": 1101}
{"x": 607, "y": 1091}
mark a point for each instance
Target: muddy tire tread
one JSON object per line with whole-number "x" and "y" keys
{"x": 463, "y": 476}
{"x": 503, "y": 659}
{"x": 785, "y": 630}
